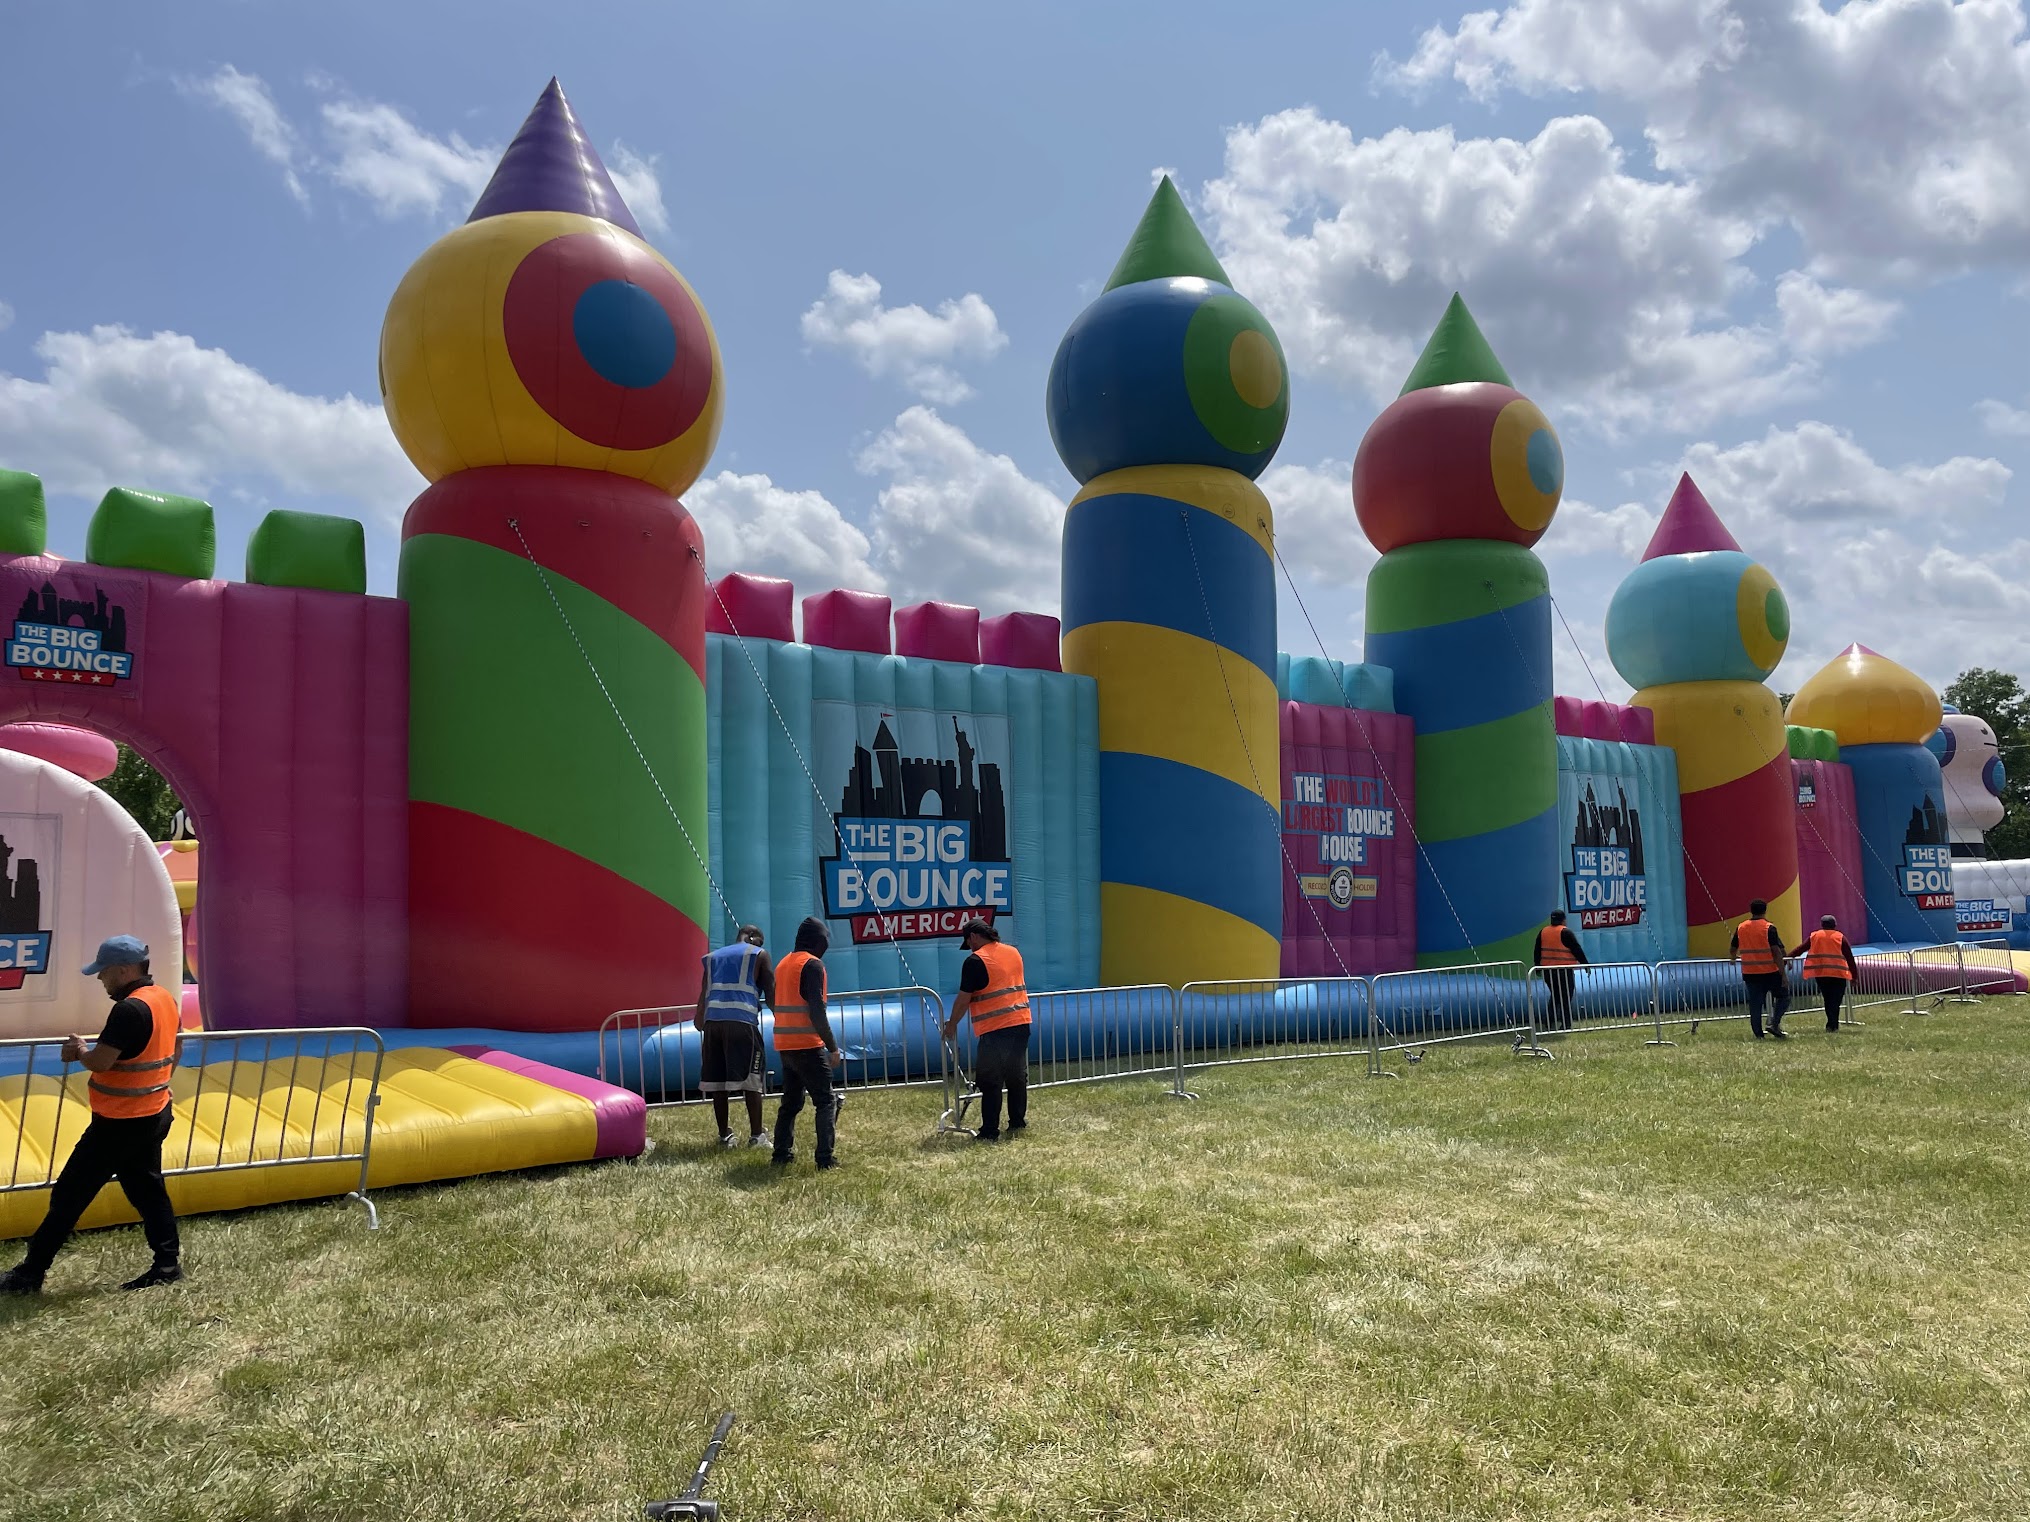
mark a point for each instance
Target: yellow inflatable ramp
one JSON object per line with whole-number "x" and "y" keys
{"x": 242, "y": 1127}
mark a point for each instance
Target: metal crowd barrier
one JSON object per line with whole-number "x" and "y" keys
{"x": 1409, "y": 1011}
{"x": 1224, "y": 1023}
{"x": 1987, "y": 970}
{"x": 1597, "y": 996}
{"x": 241, "y": 1100}
{"x": 1080, "y": 1035}
{"x": 889, "y": 1038}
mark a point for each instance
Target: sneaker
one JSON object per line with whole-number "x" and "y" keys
{"x": 827, "y": 1162}
{"x": 161, "y": 1273}
{"x": 782, "y": 1159}
{"x": 1779, "y": 1035}
{"x": 19, "y": 1282}
{"x": 987, "y": 1136}
{"x": 758, "y": 1139}
{"x": 1017, "y": 1125}
{"x": 726, "y": 1139}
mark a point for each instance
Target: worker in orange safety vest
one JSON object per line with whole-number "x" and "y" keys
{"x": 995, "y": 997}
{"x": 1829, "y": 962}
{"x": 1558, "y": 952}
{"x": 129, "y": 1068}
{"x": 1759, "y": 949}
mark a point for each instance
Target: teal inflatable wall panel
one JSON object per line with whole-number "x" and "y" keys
{"x": 1621, "y": 849}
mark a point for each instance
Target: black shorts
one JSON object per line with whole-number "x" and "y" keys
{"x": 732, "y": 1058}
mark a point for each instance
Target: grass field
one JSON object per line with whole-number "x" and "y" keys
{"x": 1731, "y": 1280}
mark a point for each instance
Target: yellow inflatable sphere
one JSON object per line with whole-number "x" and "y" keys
{"x": 549, "y": 338}
{"x": 1867, "y": 699}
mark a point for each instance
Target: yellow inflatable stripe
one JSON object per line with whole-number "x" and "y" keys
{"x": 441, "y": 1116}
{"x": 1786, "y": 913}
{"x": 1231, "y": 495}
{"x": 1720, "y": 730}
{"x": 1148, "y": 936}
{"x": 1161, "y": 694}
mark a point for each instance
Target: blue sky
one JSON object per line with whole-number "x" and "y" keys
{"x": 1784, "y": 245}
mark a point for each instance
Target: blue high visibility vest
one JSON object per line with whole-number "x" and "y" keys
{"x": 730, "y": 992}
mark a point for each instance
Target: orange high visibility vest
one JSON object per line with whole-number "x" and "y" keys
{"x": 793, "y": 1029}
{"x": 1758, "y": 957}
{"x": 1552, "y": 950}
{"x": 1825, "y": 958}
{"x": 139, "y": 1087}
{"x": 1004, "y": 1002}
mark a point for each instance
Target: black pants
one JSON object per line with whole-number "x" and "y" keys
{"x": 127, "y": 1150}
{"x": 1763, "y": 987}
{"x": 1559, "y": 981}
{"x": 805, "y": 1073}
{"x": 1002, "y": 1062}
{"x": 1834, "y": 992}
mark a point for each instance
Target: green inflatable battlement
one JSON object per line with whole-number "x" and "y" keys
{"x": 160, "y": 531}
{"x": 1808, "y": 744}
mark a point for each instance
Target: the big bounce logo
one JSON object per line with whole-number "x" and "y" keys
{"x": 1607, "y": 885}
{"x": 1926, "y": 878}
{"x": 81, "y": 641}
{"x": 24, "y": 945}
{"x": 922, "y": 837}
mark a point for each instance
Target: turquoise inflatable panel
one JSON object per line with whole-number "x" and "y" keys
{"x": 1621, "y": 849}
{"x": 1334, "y": 684}
{"x": 895, "y": 798}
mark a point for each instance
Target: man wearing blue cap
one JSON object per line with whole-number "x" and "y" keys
{"x": 130, "y": 1065}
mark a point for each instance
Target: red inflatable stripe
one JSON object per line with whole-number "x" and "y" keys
{"x": 574, "y": 945}
{"x": 619, "y": 538}
{"x": 1726, "y": 831}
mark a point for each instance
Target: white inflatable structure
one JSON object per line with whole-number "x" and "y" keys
{"x": 1971, "y": 762}
{"x": 74, "y": 869}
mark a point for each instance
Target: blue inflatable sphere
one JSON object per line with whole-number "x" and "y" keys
{"x": 1712, "y": 616}
{"x": 1179, "y": 371}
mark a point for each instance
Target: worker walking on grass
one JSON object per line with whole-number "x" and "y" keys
{"x": 130, "y": 1065}
{"x": 1829, "y": 962}
{"x": 1558, "y": 952}
{"x": 1759, "y": 949}
{"x": 994, "y": 996}
{"x": 804, "y": 1042}
{"x": 737, "y": 980}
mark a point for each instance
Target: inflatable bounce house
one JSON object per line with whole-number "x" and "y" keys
{"x": 532, "y": 788}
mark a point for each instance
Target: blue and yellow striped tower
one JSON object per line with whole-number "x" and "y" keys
{"x": 1167, "y": 397}
{"x": 1453, "y": 484}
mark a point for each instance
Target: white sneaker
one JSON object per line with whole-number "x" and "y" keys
{"x": 728, "y": 1140}
{"x": 758, "y": 1139}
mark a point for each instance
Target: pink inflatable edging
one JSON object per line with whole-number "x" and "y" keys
{"x": 621, "y": 1117}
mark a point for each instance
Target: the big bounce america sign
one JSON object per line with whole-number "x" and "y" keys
{"x": 919, "y": 819}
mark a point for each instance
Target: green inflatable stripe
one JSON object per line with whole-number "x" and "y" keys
{"x": 507, "y": 722}
{"x": 1447, "y": 580}
{"x": 1458, "y": 351}
{"x": 24, "y": 517}
{"x": 1165, "y": 243}
{"x": 153, "y": 531}
{"x": 290, "y": 549}
{"x": 1520, "y": 947}
{"x": 1474, "y": 781}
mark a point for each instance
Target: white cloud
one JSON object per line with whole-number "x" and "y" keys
{"x": 961, "y": 524}
{"x": 375, "y": 151}
{"x": 247, "y": 99}
{"x": 1820, "y": 320}
{"x": 1893, "y": 134}
{"x": 917, "y": 346}
{"x": 1812, "y": 478}
{"x": 1606, "y": 294}
{"x": 751, "y": 524}
{"x": 1580, "y": 528}
{"x": 1318, "y": 538}
{"x": 115, "y": 408}
{"x": 6, "y": 317}
{"x": 1996, "y": 416}
{"x": 634, "y": 176}
{"x": 397, "y": 166}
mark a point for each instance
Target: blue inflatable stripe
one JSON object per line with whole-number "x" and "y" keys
{"x": 1127, "y": 559}
{"x": 1179, "y": 830}
{"x": 1478, "y": 874}
{"x": 1453, "y": 676}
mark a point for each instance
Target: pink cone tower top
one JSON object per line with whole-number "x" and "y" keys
{"x": 1689, "y": 525}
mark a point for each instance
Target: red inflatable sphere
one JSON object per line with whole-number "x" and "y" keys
{"x": 1475, "y": 460}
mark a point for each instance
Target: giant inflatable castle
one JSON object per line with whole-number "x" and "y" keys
{"x": 574, "y": 751}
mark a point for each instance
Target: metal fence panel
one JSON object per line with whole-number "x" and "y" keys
{"x": 1597, "y": 996}
{"x": 1409, "y": 1011}
{"x": 1988, "y": 970}
{"x": 1271, "y": 1020}
{"x": 240, "y": 1100}
{"x": 1079, "y": 1035}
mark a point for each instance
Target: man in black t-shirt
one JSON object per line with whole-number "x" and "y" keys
{"x": 128, "y": 1072}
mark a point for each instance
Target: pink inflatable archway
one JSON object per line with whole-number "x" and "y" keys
{"x": 280, "y": 717}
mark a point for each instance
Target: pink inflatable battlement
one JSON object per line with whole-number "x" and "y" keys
{"x": 1026, "y": 641}
{"x": 939, "y": 631}
{"x": 1347, "y": 777}
{"x": 92, "y": 757}
{"x": 1593, "y": 719}
{"x": 280, "y": 716}
{"x": 1829, "y": 867}
{"x": 756, "y": 607}
{"x": 843, "y": 620}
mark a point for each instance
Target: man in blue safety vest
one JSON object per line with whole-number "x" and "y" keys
{"x": 737, "y": 980}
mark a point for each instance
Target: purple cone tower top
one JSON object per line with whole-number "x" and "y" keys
{"x": 1689, "y": 525}
{"x": 551, "y": 166}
